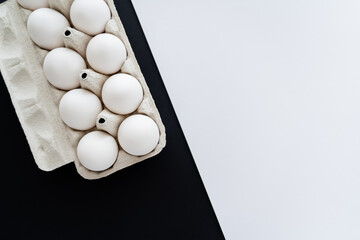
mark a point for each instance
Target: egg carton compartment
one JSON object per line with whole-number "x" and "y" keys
{"x": 36, "y": 101}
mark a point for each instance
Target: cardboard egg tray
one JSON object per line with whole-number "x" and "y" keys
{"x": 36, "y": 101}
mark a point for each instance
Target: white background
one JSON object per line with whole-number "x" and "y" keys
{"x": 268, "y": 95}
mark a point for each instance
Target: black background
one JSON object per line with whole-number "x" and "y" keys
{"x": 160, "y": 198}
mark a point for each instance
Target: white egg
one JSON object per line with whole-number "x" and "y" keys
{"x": 33, "y": 4}
{"x": 97, "y": 151}
{"x": 46, "y": 27}
{"x": 122, "y": 93}
{"x": 138, "y": 135}
{"x": 62, "y": 67}
{"x": 106, "y": 53}
{"x": 79, "y": 109}
{"x": 90, "y": 16}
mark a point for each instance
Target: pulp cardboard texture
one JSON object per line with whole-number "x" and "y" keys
{"x": 36, "y": 102}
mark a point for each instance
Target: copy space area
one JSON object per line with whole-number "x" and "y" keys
{"x": 268, "y": 96}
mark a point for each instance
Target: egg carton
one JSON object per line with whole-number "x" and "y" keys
{"x": 53, "y": 144}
